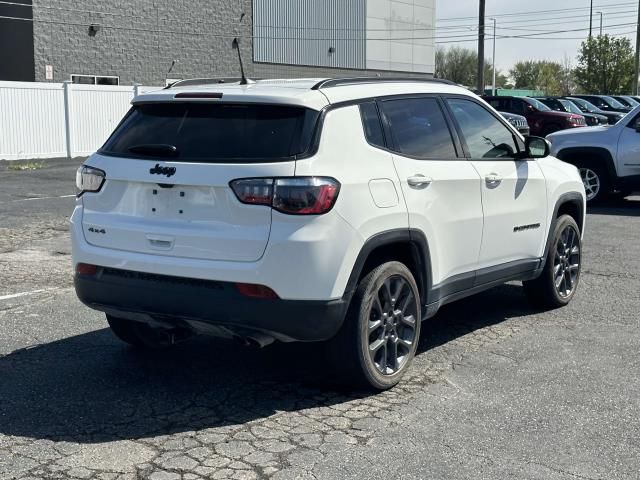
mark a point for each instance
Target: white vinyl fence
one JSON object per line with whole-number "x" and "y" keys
{"x": 50, "y": 120}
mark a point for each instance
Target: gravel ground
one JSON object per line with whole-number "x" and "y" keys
{"x": 497, "y": 391}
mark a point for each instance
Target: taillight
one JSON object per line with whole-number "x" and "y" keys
{"x": 89, "y": 179}
{"x": 293, "y": 196}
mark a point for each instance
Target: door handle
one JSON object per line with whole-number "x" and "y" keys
{"x": 418, "y": 181}
{"x": 493, "y": 180}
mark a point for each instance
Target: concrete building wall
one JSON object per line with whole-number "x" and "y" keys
{"x": 137, "y": 41}
{"x": 400, "y": 35}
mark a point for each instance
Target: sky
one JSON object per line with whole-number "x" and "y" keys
{"x": 556, "y": 27}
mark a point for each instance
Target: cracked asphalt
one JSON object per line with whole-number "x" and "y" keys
{"x": 498, "y": 390}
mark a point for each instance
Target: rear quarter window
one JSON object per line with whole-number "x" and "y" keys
{"x": 215, "y": 133}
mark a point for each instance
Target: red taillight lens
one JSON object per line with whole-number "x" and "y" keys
{"x": 305, "y": 196}
{"x": 294, "y": 196}
{"x": 256, "y": 291}
{"x": 254, "y": 191}
{"x": 86, "y": 269}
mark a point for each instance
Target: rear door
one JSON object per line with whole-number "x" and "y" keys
{"x": 440, "y": 187}
{"x": 514, "y": 195}
{"x": 168, "y": 168}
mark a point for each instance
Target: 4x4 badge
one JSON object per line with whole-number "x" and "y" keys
{"x": 158, "y": 170}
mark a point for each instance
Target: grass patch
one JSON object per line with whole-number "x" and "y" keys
{"x": 19, "y": 167}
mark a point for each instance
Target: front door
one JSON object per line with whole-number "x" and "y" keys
{"x": 629, "y": 149}
{"x": 514, "y": 196}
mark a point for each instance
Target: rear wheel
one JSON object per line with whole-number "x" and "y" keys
{"x": 140, "y": 334}
{"x": 558, "y": 282}
{"x": 596, "y": 183}
{"x": 381, "y": 332}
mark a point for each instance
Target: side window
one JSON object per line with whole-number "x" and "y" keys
{"x": 495, "y": 103}
{"x": 485, "y": 135}
{"x": 518, "y": 106}
{"x": 371, "y": 124}
{"x": 419, "y": 128}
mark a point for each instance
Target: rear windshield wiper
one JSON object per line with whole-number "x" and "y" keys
{"x": 155, "y": 150}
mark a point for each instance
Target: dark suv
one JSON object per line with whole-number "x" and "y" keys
{"x": 564, "y": 105}
{"x": 588, "y": 107}
{"x": 605, "y": 102}
{"x": 541, "y": 118}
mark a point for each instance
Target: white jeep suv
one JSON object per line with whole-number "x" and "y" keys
{"x": 341, "y": 211}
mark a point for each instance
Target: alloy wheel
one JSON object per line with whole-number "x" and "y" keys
{"x": 392, "y": 325}
{"x": 591, "y": 182}
{"x": 566, "y": 265}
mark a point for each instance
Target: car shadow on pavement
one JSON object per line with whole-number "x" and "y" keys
{"x": 625, "y": 207}
{"x": 92, "y": 388}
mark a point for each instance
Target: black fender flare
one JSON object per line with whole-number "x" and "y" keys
{"x": 573, "y": 155}
{"x": 419, "y": 249}
{"x": 571, "y": 197}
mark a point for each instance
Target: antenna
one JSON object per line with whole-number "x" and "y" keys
{"x": 173, "y": 64}
{"x": 236, "y": 44}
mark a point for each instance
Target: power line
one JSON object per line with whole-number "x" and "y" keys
{"x": 539, "y": 12}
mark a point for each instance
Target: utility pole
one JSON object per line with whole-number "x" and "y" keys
{"x": 591, "y": 19}
{"x": 600, "y": 22}
{"x": 637, "y": 69}
{"x": 480, "y": 84}
{"x": 493, "y": 92}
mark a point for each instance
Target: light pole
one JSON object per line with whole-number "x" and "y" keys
{"x": 493, "y": 93}
{"x": 600, "y": 13}
{"x": 480, "y": 79}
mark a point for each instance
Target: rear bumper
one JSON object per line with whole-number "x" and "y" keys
{"x": 192, "y": 302}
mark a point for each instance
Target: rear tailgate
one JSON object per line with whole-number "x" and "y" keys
{"x": 178, "y": 202}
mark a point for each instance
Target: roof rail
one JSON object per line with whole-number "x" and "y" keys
{"x": 339, "y": 82}
{"x": 204, "y": 81}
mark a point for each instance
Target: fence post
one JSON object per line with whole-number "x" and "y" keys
{"x": 67, "y": 116}
{"x": 136, "y": 90}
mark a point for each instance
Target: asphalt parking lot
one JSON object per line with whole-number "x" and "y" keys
{"x": 498, "y": 390}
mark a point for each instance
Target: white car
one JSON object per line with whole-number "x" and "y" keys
{"x": 608, "y": 157}
{"x": 342, "y": 211}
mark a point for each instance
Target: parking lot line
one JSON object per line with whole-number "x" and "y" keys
{"x": 24, "y": 294}
{"x": 42, "y": 198}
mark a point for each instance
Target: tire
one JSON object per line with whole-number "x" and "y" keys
{"x": 140, "y": 335}
{"x": 368, "y": 325}
{"x": 596, "y": 183}
{"x": 557, "y": 284}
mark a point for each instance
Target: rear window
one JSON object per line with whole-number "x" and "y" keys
{"x": 205, "y": 132}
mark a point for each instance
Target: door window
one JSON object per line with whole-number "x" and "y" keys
{"x": 485, "y": 135}
{"x": 419, "y": 128}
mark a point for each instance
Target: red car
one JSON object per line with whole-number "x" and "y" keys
{"x": 541, "y": 118}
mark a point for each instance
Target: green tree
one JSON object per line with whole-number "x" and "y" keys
{"x": 460, "y": 65}
{"x": 605, "y": 65}
{"x": 548, "y": 77}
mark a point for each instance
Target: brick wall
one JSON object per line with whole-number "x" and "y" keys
{"x": 137, "y": 41}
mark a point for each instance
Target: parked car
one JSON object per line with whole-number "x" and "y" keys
{"x": 541, "y": 119}
{"x": 518, "y": 121}
{"x": 605, "y": 102}
{"x": 588, "y": 107}
{"x": 315, "y": 211}
{"x": 627, "y": 101}
{"x": 606, "y": 157}
{"x": 564, "y": 105}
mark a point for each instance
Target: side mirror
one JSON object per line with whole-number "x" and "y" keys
{"x": 536, "y": 147}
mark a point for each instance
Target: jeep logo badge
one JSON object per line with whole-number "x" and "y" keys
{"x": 166, "y": 171}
